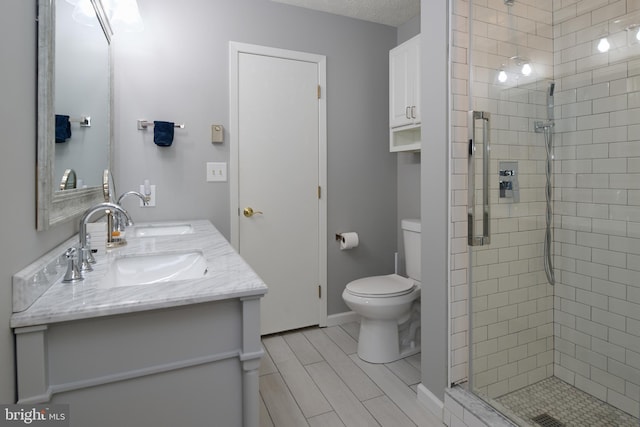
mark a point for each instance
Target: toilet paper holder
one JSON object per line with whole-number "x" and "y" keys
{"x": 347, "y": 240}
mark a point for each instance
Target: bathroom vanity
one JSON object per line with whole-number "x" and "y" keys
{"x": 175, "y": 352}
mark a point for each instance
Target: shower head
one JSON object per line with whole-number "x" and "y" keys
{"x": 550, "y": 102}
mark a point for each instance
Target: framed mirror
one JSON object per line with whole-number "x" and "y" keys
{"x": 74, "y": 107}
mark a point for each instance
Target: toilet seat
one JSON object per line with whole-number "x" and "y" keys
{"x": 387, "y": 286}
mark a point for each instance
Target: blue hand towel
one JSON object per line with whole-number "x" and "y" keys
{"x": 163, "y": 133}
{"x": 63, "y": 128}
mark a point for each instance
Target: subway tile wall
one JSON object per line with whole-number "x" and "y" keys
{"x": 513, "y": 305}
{"x": 596, "y": 301}
{"x": 459, "y": 274}
{"x": 597, "y": 210}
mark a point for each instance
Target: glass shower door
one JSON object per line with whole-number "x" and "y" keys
{"x": 560, "y": 82}
{"x": 511, "y": 302}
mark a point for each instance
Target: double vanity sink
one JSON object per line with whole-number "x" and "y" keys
{"x": 164, "y": 264}
{"x": 133, "y": 270}
{"x": 171, "y": 316}
{"x": 156, "y": 230}
{"x": 161, "y": 267}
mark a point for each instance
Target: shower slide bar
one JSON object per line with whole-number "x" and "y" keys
{"x": 485, "y": 238}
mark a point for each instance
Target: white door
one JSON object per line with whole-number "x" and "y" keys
{"x": 279, "y": 177}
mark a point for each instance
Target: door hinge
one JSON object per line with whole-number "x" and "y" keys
{"x": 319, "y": 292}
{"x": 319, "y": 92}
{"x": 319, "y": 192}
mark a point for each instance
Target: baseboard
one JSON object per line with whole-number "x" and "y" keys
{"x": 430, "y": 401}
{"x": 342, "y": 318}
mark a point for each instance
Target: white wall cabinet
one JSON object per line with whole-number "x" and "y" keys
{"x": 404, "y": 96}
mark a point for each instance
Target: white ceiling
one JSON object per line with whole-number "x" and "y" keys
{"x": 388, "y": 12}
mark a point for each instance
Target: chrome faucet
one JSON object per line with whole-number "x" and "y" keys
{"x": 116, "y": 223}
{"x": 85, "y": 251}
{"x": 145, "y": 199}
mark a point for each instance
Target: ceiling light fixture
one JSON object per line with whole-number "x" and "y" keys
{"x": 125, "y": 16}
{"x": 84, "y": 13}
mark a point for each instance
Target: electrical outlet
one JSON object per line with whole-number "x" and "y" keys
{"x": 216, "y": 172}
{"x": 152, "y": 198}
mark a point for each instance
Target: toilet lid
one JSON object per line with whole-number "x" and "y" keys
{"x": 391, "y": 285}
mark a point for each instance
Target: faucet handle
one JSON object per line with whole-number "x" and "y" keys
{"x": 73, "y": 273}
{"x": 90, "y": 258}
{"x": 85, "y": 264}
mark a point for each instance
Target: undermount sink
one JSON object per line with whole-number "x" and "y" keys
{"x": 162, "y": 230}
{"x": 146, "y": 269}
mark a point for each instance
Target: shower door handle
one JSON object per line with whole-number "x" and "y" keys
{"x": 485, "y": 238}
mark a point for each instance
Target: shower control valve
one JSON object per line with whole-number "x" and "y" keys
{"x": 508, "y": 183}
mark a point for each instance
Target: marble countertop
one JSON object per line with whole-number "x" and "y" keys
{"x": 228, "y": 276}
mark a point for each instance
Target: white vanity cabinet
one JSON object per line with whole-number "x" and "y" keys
{"x": 404, "y": 96}
{"x": 173, "y": 353}
{"x": 195, "y": 365}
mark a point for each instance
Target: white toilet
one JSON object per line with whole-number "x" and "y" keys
{"x": 389, "y": 306}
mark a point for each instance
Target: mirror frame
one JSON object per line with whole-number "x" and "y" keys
{"x": 56, "y": 207}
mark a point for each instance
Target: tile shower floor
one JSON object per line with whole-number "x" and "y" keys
{"x": 313, "y": 377}
{"x": 565, "y": 403}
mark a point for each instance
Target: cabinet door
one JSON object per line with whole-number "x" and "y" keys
{"x": 399, "y": 109}
{"x": 413, "y": 79}
{"x": 404, "y": 84}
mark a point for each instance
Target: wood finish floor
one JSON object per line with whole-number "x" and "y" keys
{"x": 313, "y": 377}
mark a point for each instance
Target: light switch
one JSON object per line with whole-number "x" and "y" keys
{"x": 217, "y": 133}
{"x": 216, "y": 172}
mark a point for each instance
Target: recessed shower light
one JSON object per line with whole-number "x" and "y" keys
{"x": 603, "y": 45}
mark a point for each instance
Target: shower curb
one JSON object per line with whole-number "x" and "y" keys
{"x": 471, "y": 411}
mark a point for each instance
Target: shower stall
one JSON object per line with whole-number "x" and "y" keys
{"x": 546, "y": 146}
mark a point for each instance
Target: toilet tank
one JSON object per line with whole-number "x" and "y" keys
{"x": 411, "y": 235}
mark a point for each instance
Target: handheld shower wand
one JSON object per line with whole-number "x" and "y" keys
{"x": 546, "y": 127}
{"x": 550, "y": 103}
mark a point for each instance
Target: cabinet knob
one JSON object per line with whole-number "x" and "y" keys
{"x": 407, "y": 112}
{"x": 413, "y": 111}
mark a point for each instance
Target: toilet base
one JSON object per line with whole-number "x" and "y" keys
{"x": 384, "y": 341}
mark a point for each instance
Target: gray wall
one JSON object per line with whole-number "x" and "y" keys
{"x": 191, "y": 73}
{"x": 177, "y": 70}
{"x": 21, "y": 243}
{"x": 408, "y": 163}
{"x": 434, "y": 179}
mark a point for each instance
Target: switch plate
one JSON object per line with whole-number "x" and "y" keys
{"x": 152, "y": 198}
{"x": 217, "y": 133}
{"x": 216, "y": 172}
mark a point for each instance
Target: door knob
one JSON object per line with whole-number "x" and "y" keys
{"x": 249, "y": 212}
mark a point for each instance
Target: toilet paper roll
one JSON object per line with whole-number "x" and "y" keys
{"x": 348, "y": 240}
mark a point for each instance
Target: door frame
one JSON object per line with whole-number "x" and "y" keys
{"x": 235, "y": 49}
